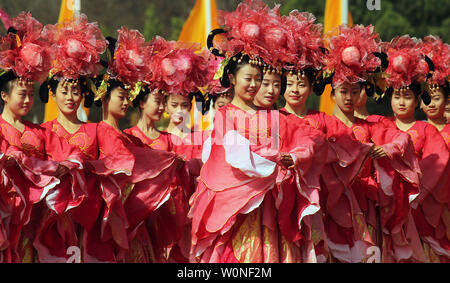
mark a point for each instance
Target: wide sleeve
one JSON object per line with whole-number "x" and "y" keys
{"x": 434, "y": 160}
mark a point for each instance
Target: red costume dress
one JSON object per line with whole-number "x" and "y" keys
{"x": 43, "y": 152}
{"x": 135, "y": 181}
{"x": 234, "y": 215}
{"x": 386, "y": 187}
{"x": 58, "y": 230}
{"x": 169, "y": 224}
{"x": 346, "y": 234}
{"x": 432, "y": 212}
{"x": 298, "y": 203}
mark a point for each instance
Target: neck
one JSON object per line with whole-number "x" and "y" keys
{"x": 361, "y": 112}
{"x": 68, "y": 118}
{"x": 244, "y": 105}
{"x": 111, "y": 120}
{"x": 439, "y": 123}
{"x": 347, "y": 118}
{"x": 299, "y": 110}
{"x": 10, "y": 117}
{"x": 175, "y": 130}
{"x": 405, "y": 120}
{"x": 146, "y": 124}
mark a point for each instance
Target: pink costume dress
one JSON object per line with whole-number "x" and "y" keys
{"x": 431, "y": 208}
{"x": 135, "y": 182}
{"x": 234, "y": 213}
{"x": 298, "y": 203}
{"x": 169, "y": 225}
{"x": 385, "y": 189}
{"x": 59, "y": 231}
{"x": 34, "y": 188}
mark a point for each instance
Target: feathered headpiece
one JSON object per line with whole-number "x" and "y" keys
{"x": 308, "y": 45}
{"x": 23, "y": 51}
{"x": 438, "y": 54}
{"x": 76, "y": 45}
{"x": 352, "y": 54}
{"x": 406, "y": 63}
{"x": 128, "y": 65}
{"x": 176, "y": 67}
{"x": 256, "y": 31}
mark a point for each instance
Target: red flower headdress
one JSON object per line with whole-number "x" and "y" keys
{"x": 129, "y": 64}
{"x": 214, "y": 87}
{"x": 179, "y": 68}
{"x": 257, "y": 31}
{"x": 77, "y": 45}
{"x": 308, "y": 45}
{"x": 351, "y": 55}
{"x": 439, "y": 53}
{"x": 25, "y": 53}
{"x": 406, "y": 63}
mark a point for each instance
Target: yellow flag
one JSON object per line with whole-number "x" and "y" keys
{"x": 66, "y": 13}
{"x": 202, "y": 19}
{"x": 333, "y": 19}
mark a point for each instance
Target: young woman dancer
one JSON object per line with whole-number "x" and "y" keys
{"x": 50, "y": 160}
{"x": 405, "y": 73}
{"x": 135, "y": 179}
{"x": 77, "y": 45}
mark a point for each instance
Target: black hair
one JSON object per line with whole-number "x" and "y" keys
{"x": 52, "y": 84}
{"x": 112, "y": 84}
{"x": 5, "y": 81}
{"x": 426, "y": 98}
{"x": 315, "y": 79}
{"x": 142, "y": 96}
{"x": 234, "y": 65}
{"x": 414, "y": 87}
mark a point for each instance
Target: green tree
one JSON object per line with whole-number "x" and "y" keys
{"x": 392, "y": 24}
{"x": 152, "y": 24}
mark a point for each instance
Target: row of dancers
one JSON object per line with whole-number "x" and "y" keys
{"x": 263, "y": 183}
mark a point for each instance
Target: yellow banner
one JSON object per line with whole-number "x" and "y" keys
{"x": 202, "y": 19}
{"x": 333, "y": 19}
{"x": 66, "y": 13}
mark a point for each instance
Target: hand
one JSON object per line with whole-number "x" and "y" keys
{"x": 287, "y": 161}
{"x": 61, "y": 171}
{"x": 377, "y": 152}
{"x": 179, "y": 161}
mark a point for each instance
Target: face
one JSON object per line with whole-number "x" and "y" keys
{"x": 222, "y": 100}
{"x": 297, "y": 90}
{"x": 154, "y": 106}
{"x": 117, "y": 104}
{"x": 178, "y": 106}
{"x": 346, "y": 96}
{"x": 447, "y": 111}
{"x": 269, "y": 91}
{"x": 19, "y": 100}
{"x": 67, "y": 97}
{"x": 403, "y": 104}
{"x": 362, "y": 99}
{"x": 246, "y": 82}
{"x": 436, "y": 108}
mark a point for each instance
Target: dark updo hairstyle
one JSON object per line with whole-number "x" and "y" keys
{"x": 416, "y": 88}
{"x": 111, "y": 83}
{"x": 52, "y": 84}
{"x": 234, "y": 64}
{"x": 315, "y": 78}
{"x": 444, "y": 87}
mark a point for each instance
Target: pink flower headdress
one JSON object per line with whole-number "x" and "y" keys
{"x": 24, "y": 53}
